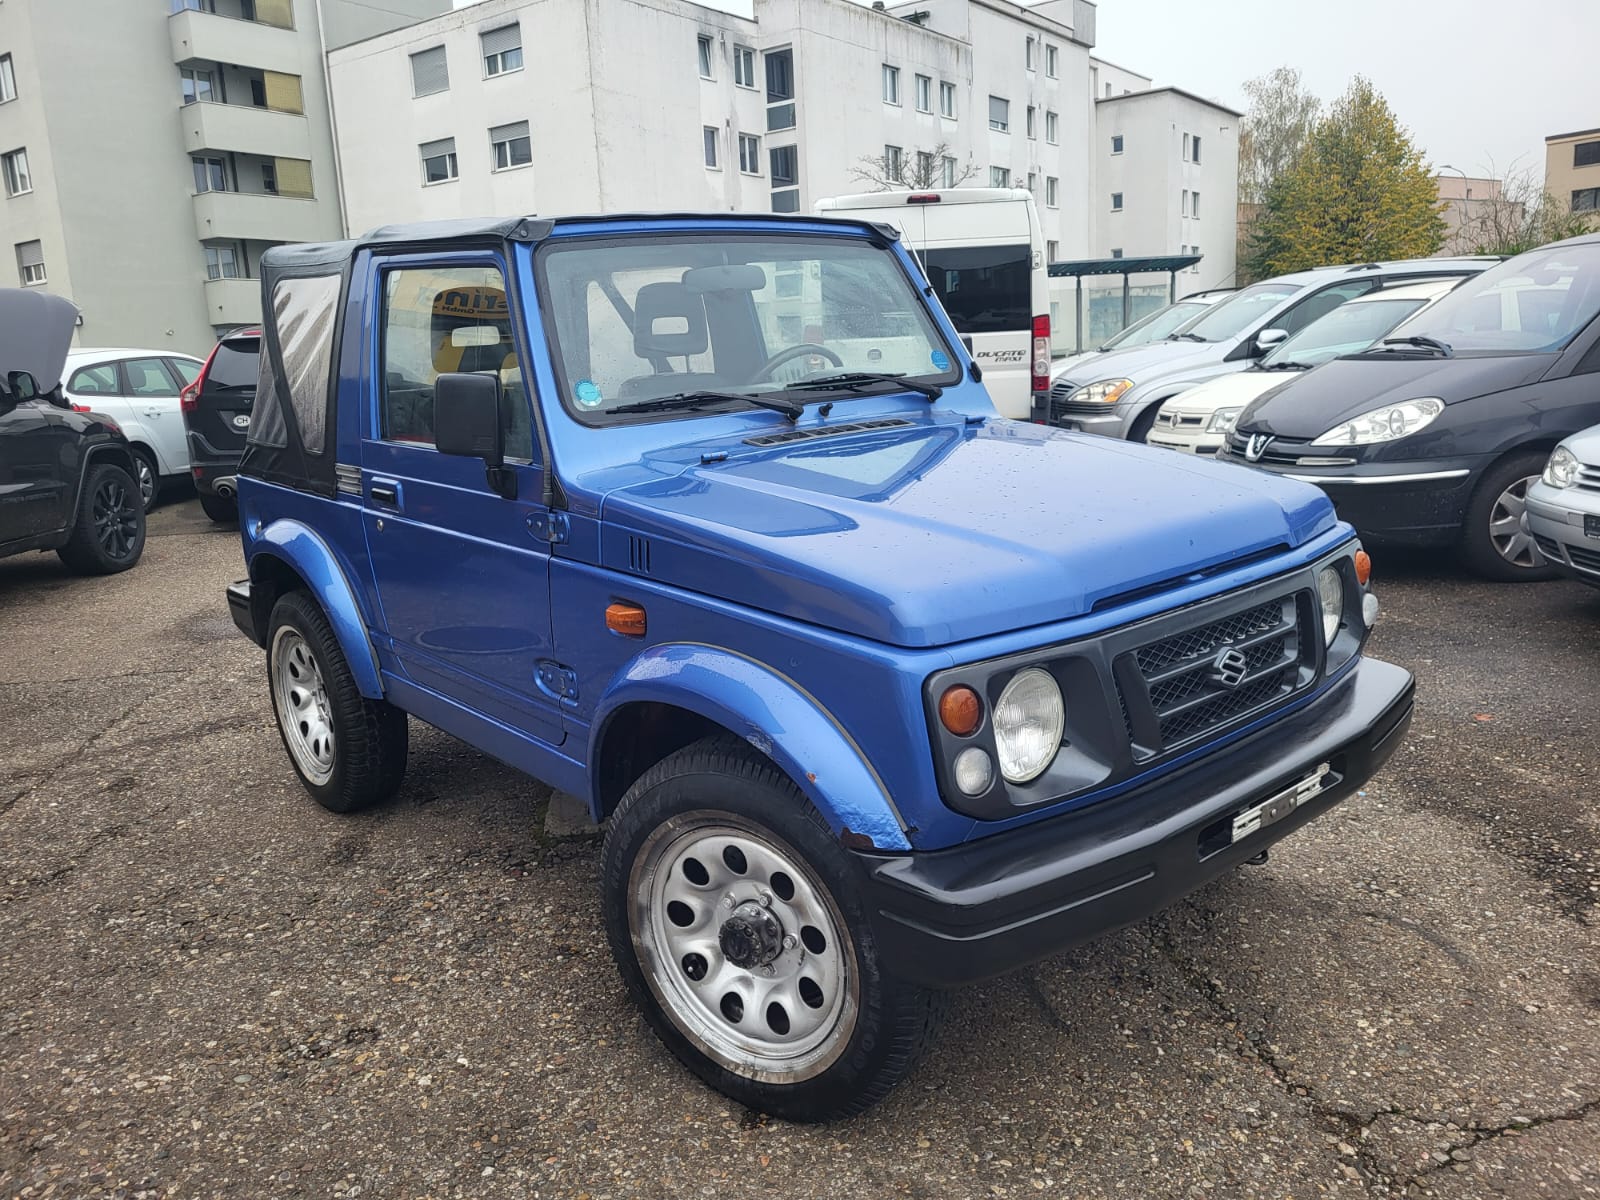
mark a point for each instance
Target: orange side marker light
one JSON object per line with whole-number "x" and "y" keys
{"x": 626, "y": 619}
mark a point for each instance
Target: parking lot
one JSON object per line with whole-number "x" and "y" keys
{"x": 209, "y": 986}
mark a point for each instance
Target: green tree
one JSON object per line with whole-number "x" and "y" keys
{"x": 1358, "y": 191}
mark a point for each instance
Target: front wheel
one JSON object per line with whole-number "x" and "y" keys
{"x": 1493, "y": 541}
{"x": 737, "y": 923}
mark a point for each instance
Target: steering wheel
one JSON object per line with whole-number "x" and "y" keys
{"x": 793, "y": 352}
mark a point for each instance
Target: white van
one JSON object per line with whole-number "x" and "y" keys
{"x": 983, "y": 251}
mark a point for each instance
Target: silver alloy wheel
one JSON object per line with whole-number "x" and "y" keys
{"x": 1505, "y": 527}
{"x": 301, "y": 699}
{"x": 743, "y": 946}
{"x": 146, "y": 478}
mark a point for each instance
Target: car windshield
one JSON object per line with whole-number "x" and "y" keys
{"x": 648, "y": 317}
{"x": 1229, "y": 318}
{"x": 1538, "y": 301}
{"x": 1157, "y": 325}
{"x": 1348, "y": 329}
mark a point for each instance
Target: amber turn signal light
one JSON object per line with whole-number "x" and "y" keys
{"x": 1363, "y": 567}
{"x": 626, "y": 619}
{"x": 960, "y": 710}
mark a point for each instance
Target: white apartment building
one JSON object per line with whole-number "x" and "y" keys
{"x": 546, "y": 106}
{"x": 152, "y": 148}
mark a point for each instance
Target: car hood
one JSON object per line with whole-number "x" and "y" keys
{"x": 1139, "y": 363}
{"x": 943, "y": 531}
{"x": 1347, "y": 387}
{"x": 35, "y": 334}
{"x": 1228, "y": 391}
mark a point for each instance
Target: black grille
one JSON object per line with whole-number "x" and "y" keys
{"x": 1548, "y": 547}
{"x": 1208, "y": 638}
{"x": 1218, "y": 710}
{"x": 1588, "y": 560}
{"x": 1282, "y": 452}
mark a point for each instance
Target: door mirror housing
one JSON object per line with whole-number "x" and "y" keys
{"x": 1268, "y": 338}
{"x": 467, "y": 422}
{"x": 22, "y": 386}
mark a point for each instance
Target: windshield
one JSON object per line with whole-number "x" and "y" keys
{"x": 1536, "y": 301}
{"x": 1348, "y": 329}
{"x": 1157, "y": 325}
{"x": 1229, "y": 318}
{"x": 645, "y": 317}
{"x": 984, "y": 289}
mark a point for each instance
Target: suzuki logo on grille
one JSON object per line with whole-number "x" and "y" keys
{"x": 1229, "y": 668}
{"x": 1256, "y": 447}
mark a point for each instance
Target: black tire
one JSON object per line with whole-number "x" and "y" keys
{"x": 147, "y": 475}
{"x": 222, "y": 511}
{"x": 1498, "y": 497}
{"x": 1139, "y": 431}
{"x": 884, "y": 1023}
{"x": 366, "y": 757}
{"x": 108, "y": 528}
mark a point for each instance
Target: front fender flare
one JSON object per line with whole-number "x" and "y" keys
{"x": 776, "y": 716}
{"x": 315, "y": 562}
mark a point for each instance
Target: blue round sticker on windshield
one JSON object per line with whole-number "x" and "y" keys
{"x": 941, "y": 360}
{"x": 588, "y": 394}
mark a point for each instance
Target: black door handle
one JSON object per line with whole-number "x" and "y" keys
{"x": 385, "y": 493}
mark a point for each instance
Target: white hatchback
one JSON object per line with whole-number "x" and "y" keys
{"x": 138, "y": 389}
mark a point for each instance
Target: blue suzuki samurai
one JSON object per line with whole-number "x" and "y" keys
{"x": 709, "y": 522}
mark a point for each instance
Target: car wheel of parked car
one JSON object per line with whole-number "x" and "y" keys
{"x": 736, "y": 921}
{"x": 349, "y": 751}
{"x": 1144, "y": 423}
{"x": 148, "y": 476}
{"x": 223, "y": 512}
{"x": 1493, "y": 541}
{"x": 108, "y": 533}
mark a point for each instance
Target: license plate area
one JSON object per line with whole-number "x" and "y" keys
{"x": 1591, "y": 525}
{"x": 1219, "y": 835}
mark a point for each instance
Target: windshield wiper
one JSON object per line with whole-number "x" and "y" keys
{"x": 1423, "y": 342}
{"x": 692, "y": 400}
{"x": 1186, "y": 337}
{"x": 1286, "y": 365}
{"x": 851, "y": 378}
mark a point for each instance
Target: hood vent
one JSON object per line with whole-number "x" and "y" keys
{"x": 638, "y": 555}
{"x": 822, "y": 431}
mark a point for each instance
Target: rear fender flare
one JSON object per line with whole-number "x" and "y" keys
{"x": 775, "y": 715}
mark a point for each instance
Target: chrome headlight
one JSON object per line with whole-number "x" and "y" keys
{"x": 1028, "y": 720}
{"x": 1383, "y": 424}
{"x": 1107, "y": 391}
{"x": 1330, "y": 592}
{"x": 1222, "y": 420}
{"x": 1562, "y": 469}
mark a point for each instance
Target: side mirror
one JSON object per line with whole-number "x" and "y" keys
{"x": 22, "y": 386}
{"x": 466, "y": 422}
{"x": 1268, "y": 338}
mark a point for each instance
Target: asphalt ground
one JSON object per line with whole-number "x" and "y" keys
{"x": 211, "y": 987}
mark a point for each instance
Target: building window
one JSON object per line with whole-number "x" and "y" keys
{"x": 1029, "y": 46}
{"x": 439, "y": 161}
{"x": 1052, "y": 187}
{"x": 703, "y": 44}
{"x": 8, "y": 79}
{"x": 1050, "y": 60}
{"x": 924, "y": 168}
{"x": 947, "y": 172}
{"x": 786, "y": 202}
{"x": 429, "y": 72}
{"x": 1191, "y": 148}
{"x": 222, "y": 262}
{"x": 269, "y": 178}
{"x": 749, "y": 154}
{"x": 197, "y": 85}
{"x": 210, "y": 175}
{"x": 780, "y": 89}
{"x": 924, "y": 94}
{"x": 1116, "y": 143}
{"x": 784, "y": 162}
{"x": 15, "y": 166}
{"x": 1584, "y": 154}
{"x": 1186, "y": 147}
{"x": 708, "y": 134}
{"x": 894, "y": 166}
{"x": 511, "y": 145}
{"x": 1584, "y": 200}
{"x": 1195, "y": 149}
{"x": 30, "y": 263}
{"x": 1033, "y": 181}
{"x": 502, "y": 49}
{"x": 1116, "y": 204}
{"x": 1194, "y": 205}
{"x": 947, "y": 100}
{"x": 744, "y": 67}
{"x": 1052, "y": 252}
{"x": 292, "y": 177}
{"x": 1032, "y": 121}
{"x": 999, "y": 177}
{"x": 1195, "y": 250}
{"x": 999, "y": 114}
{"x": 1052, "y": 127}
{"x": 891, "y": 84}
{"x": 1116, "y": 252}
{"x": 1183, "y": 203}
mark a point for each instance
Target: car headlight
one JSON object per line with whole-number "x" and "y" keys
{"x": 1107, "y": 391}
{"x": 1330, "y": 591}
{"x": 1222, "y": 420}
{"x": 1562, "y": 469}
{"x": 1383, "y": 424}
{"x": 1028, "y": 721}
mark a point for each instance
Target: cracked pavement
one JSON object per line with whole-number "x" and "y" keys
{"x": 211, "y": 987}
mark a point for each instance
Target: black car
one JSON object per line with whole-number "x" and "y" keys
{"x": 66, "y": 477}
{"x": 1431, "y": 437}
{"x": 216, "y": 415}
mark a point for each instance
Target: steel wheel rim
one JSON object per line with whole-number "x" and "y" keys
{"x": 116, "y": 524}
{"x": 301, "y": 699}
{"x": 147, "y": 480}
{"x": 1505, "y": 527}
{"x": 811, "y": 980}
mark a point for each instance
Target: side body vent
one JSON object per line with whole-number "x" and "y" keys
{"x": 639, "y": 554}
{"x": 822, "y": 431}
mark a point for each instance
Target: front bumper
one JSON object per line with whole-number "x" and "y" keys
{"x": 1185, "y": 432}
{"x": 948, "y": 917}
{"x": 1555, "y": 518}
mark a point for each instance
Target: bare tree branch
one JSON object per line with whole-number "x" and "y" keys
{"x": 917, "y": 169}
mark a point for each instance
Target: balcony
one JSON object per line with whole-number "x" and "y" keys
{"x": 215, "y": 38}
{"x": 233, "y": 301}
{"x": 245, "y": 128}
{"x": 260, "y": 217}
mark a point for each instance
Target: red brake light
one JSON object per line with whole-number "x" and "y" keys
{"x": 1041, "y": 354}
{"x": 924, "y": 198}
{"x": 189, "y": 394}
{"x": 81, "y": 408}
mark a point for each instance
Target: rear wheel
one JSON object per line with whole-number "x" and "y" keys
{"x": 223, "y": 512}
{"x": 108, "y": 531}
{"x": 148, "y": 476}
{"x": 1493, "y": 541}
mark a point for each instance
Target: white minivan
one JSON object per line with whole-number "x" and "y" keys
{"x": 983, "y": 252}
